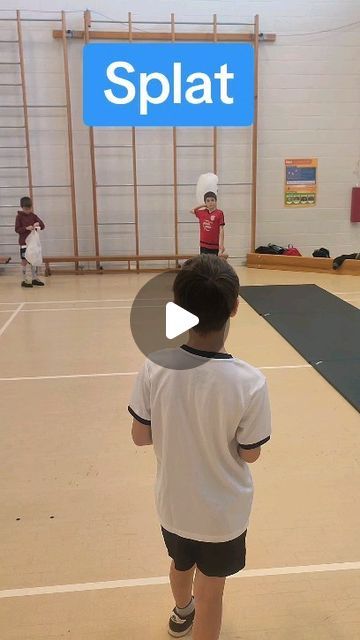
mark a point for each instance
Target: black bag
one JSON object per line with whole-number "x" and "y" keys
{"x": 272, "y": 249}
{"x": 321, "y": 253}
{"x": 346, "y": 256}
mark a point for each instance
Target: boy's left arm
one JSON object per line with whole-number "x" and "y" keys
{"x": 221, "y": 235}
{"x": 141, "y": 434}
{"x": 40, "y": 222}
{"x": 221, "y": 240}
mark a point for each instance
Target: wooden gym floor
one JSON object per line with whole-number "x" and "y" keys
{"x": 77, "y": 495}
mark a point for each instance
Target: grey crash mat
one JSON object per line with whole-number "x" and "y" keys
{"x": 322, "y": 328}
{"x": 344, "y": 376}
{"x": 298, "y": 298}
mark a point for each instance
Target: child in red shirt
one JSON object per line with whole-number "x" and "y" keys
{"x": 212, "y": 224}
{"x": 26, "y": 222}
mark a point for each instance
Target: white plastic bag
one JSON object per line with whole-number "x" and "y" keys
{"x": 206, "y": 182}
{"x": 33, "y": 253}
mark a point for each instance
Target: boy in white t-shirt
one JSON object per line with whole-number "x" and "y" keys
{"x": 207, "y": 414}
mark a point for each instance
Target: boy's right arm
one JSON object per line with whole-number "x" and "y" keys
{"x": 19, "y": 228}
{"x": 196, "y": 209}
{"x": 39, "y": 223}
{"x": 249, "y": 455}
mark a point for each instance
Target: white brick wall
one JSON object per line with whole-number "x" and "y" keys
{"x": 309, "y": 107}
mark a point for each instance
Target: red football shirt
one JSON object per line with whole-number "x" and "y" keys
{"x": 210, "y": 223}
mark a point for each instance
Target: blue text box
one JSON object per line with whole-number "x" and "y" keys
{"x": 184, "y": 85}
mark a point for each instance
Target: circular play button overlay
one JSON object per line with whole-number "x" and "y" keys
{"x": 160, "y": 327}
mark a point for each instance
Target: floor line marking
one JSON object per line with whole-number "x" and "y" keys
{"x": 144, "y": 582}
{"x": 71, "y": 375}
{"x": 154, "y": 306}
{"x": 80, "y": 301}
{"x": 288, "y": 366}
{"x": 124, "y": 373}
{"x": 12, "y": 317}
{"x": 143, "y": 306}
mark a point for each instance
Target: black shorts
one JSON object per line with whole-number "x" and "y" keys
{"x": 214, "y": 559}
{"x": 215, "y": 252}
{"x": 22, "y": 253}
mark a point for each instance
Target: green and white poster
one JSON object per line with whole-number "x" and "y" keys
{"x": 300, "y": 182}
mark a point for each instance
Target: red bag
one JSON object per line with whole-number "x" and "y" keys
{"x": 291, "y": 251}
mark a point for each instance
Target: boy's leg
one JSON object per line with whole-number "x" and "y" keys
{"x": 35, "y": 276}
{"x": 181, "y": 585}
{"x": 26, "y": 271}
{"x": 214, "y": 252}
{"x": 23, "y": 265}
{"x": 208, "y": 594}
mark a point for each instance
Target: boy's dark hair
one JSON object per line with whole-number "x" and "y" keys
{"x": 208, "y": 287}
{"x": 210, "y": 194}
{"x": 25, "y": 202}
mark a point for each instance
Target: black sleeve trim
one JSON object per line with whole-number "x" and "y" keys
{"x": 142, "y": 420}
{"x": 254, "y": 446}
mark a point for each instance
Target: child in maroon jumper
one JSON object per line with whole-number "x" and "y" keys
{"x": 26, "y": 222}
{"x": 212, "y": 224}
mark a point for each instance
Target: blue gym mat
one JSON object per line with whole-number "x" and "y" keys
{"x": 324, "y": 329}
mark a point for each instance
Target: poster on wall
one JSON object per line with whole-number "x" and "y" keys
{"x": 300, "y": 182}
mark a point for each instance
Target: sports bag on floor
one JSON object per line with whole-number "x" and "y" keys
{"x": 272, "y": 249}
{"x": 321, "y": 253}
{"x": 291, "y": 251}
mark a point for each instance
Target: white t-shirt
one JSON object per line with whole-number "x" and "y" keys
{"x": 198, "y": 416}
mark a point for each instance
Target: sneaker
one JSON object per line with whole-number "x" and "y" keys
{"x": 26, "y": 284}
{"x": 37, "y": 283}
{"x": 178, "y": 626}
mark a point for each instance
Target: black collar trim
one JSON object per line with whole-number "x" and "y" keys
{"x": 207, "y": 354}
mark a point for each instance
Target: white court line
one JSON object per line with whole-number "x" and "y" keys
{"x": 126, "y": 373}
{"x": 154, "y": 306}
{"x": 288, "y": 366}
{"x": 143, "y": 306}
{"x": 145, "y": 582}
{"x": 80, "y": 301}
{"x": 14, "y": 302}
{"x": 12, "y": 317}
{"x": 71, "y": 375}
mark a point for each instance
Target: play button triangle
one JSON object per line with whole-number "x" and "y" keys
{"x": 178, "y": 320}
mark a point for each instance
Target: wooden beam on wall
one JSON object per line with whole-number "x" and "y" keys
{"x": 70, "y": 136}
{"x": 87, "y": 35}
{"x": 25, "y": 105}
{"x": 175, "y": 168}
{"x": 215, "y": 39}
{"x": 159, "y": 36}
{"x": 254, "y": 145}
{"x": 134, "y": 167}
